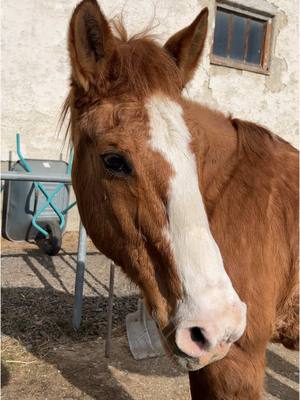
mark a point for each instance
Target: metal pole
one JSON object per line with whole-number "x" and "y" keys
{"x": 9, "y": 160}
{"x": 81, "y": 256}
{"x": 110, "y": 310}
{"x": 28, "y": 176}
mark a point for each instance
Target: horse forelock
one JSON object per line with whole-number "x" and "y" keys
{"x": 139, "y": 68}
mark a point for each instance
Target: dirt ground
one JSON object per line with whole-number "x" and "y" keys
{"x": 43, "y": 358}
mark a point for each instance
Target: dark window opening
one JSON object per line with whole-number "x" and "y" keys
{"x": 241, "y": 40}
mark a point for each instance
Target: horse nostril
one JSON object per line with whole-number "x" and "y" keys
{"x": 198, "y": 336}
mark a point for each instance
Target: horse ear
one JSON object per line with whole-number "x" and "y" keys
{"x": 187, "y": 45}
{"x": 91, "y": 44}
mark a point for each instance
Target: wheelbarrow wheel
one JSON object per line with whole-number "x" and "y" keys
{"x": 52, "y": 244}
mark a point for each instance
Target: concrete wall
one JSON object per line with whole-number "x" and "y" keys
{"x": 35, "y": 68}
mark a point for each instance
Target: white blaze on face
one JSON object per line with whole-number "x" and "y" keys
{"x": 205, "y": 283}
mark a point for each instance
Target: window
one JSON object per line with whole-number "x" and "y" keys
{"x": 242, "y": 39}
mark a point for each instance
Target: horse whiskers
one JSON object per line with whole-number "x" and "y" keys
{"x": 167, "y": 344}
{"x": 169, "y": 333}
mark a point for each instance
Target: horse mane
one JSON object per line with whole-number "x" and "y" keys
{"x": 120, "y": 32}
{"x": 257, "y": 141}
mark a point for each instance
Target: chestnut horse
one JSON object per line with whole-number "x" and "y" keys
{"x": 198, "y": 209}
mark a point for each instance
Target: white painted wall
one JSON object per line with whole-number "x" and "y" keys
{"x": 35, "y": 68}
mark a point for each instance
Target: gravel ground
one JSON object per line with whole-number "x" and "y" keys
{"x": 44, "y": 358}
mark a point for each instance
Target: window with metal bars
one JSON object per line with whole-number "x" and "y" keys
{"x": 242, "y": 40}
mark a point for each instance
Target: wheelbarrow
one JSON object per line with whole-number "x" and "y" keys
{"x": 36, "y": 210}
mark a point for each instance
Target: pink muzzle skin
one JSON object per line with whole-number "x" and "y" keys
{"x": 190, "y": 356}
{"x": 195, "y": 343}
{"x": 209, "y": 339}
{"x": 194, "y": 364}
{"x": 196, "y": 352}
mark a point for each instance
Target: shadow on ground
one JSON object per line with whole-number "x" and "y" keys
{"x": 285, "y": 369}
{"x": 5, "y": 375}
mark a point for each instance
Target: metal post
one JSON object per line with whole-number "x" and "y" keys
{"x": 28, "y": 176}
{"x": 110, "y": 309}
{"x": 9, "y": 160}
{"x": 81, "y": 256}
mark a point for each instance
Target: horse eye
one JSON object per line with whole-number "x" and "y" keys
{"x": 116, "y": 164}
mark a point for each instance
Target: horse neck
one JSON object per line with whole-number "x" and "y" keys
{"x": 214, "y": 142}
